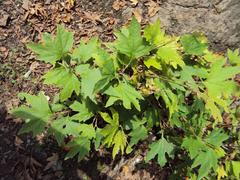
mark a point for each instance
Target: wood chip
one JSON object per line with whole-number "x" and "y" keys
{"x": 153, "y": 8}
{"x": 3, "y": 19}
{"x": 118, "y": 4}
{"x": 138, "y": 14}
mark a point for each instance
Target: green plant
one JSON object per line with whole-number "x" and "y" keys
{"x": 115, "y": 94}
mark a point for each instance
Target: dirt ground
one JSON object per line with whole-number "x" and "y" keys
{"x": 22, "y": 21}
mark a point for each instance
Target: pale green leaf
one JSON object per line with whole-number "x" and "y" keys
{"x": 194, "y": 44}
{"x": 52, "y": 50}
{"x": 169, "y": 54}
{"x": 156, "y": 35}
{"x": 89, "y": 78}
{"x": 236, "y": 168}
{"x": 36, "y": 115}
{"x": 216, "y": 137}
{"x": 65, "y": 79}
{"x": 119, "y": 141}
{"x": 126, "y": 93}
{"x": 84, "y": 109}
{"x": 85, "y": 51}
{"x": 193, "y": 146}
{"x": 130, "y": 42}
{"x": 153, "y": 62}
{"x": 234, "y": 57}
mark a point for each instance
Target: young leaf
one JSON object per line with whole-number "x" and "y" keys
{"x": 37, "y": 115}
{"x": 64, "y": 79}
{"x": 120, "y": 142}
{"x": 194, "y": 44}
{"x": 52, "y": 50}
{"x": 85, "y": 51}
{"x": 167, "y": 47}
{"x": 160, "y": 148}
{"x": 236, "y": 168}
{"x": 125, "y": 93}
{"x": 111, "y": 133}
{"x": 153, "y": 62}
{"x": 169, "y": 54}
{"x": 156, "y": 35}
{"x": 130, "y": 42}
{"x": 234, "y": 57}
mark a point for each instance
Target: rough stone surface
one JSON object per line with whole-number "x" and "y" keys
{"x": 218, "y": 19}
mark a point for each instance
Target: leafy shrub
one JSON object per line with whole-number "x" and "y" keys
{"x": 116, "y": 94}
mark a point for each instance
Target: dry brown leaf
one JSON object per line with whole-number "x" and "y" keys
{"x": 138, "y": 14}
{"x": 18, "y": 142}
{"x": 26, "y": 4}
{"x": 52, "y": 161}
{"x": 134, "y": 2}
{"x": 70, "y": 2}
{"x": 118, "y": 4}
{"x": 153, "y": 8}
{"x": 92, "y": 16}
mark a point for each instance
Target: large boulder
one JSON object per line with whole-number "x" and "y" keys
{"x": 218, "y": 19}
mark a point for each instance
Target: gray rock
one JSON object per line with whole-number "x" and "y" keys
{"x": 218, "y": 19}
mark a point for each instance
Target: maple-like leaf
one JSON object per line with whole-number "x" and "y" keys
{"x": 194, "y": 146}
{"x": 236, "y": 168}
{"x": 85, "y": 110}
{"x": 36, "y": 115}
{"x": 153, "y": 62}
{"x": 130, "y": 42}
{"x": 194, "y": 44}
{"x": 63, "y": 127}
{"x": 106, "y": 64}
{"x": 119, "y": 143}
{"x": 64, "y": 79}
{"x": 156, "y": 35}
{"x": 111, "y": 133}
{"x": 234, "y": 57}
{"x": 53, "y": 49}
{"x": 89, "y": 78}
{"x": 170, "y": 99}
{"x": 167, "y": 47}
{"x": 160, "y": 148}
{"x": 80, "y": 146}
{"x": 170, "y": 55}
{"x": 215, "y": 83}
{"x": 138, "y": 132}
{"x": 206, "y": 160}
{"x": 85, "y": 51}
{"x": 216, "y": 137}
{"x": 125, "y": 93}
